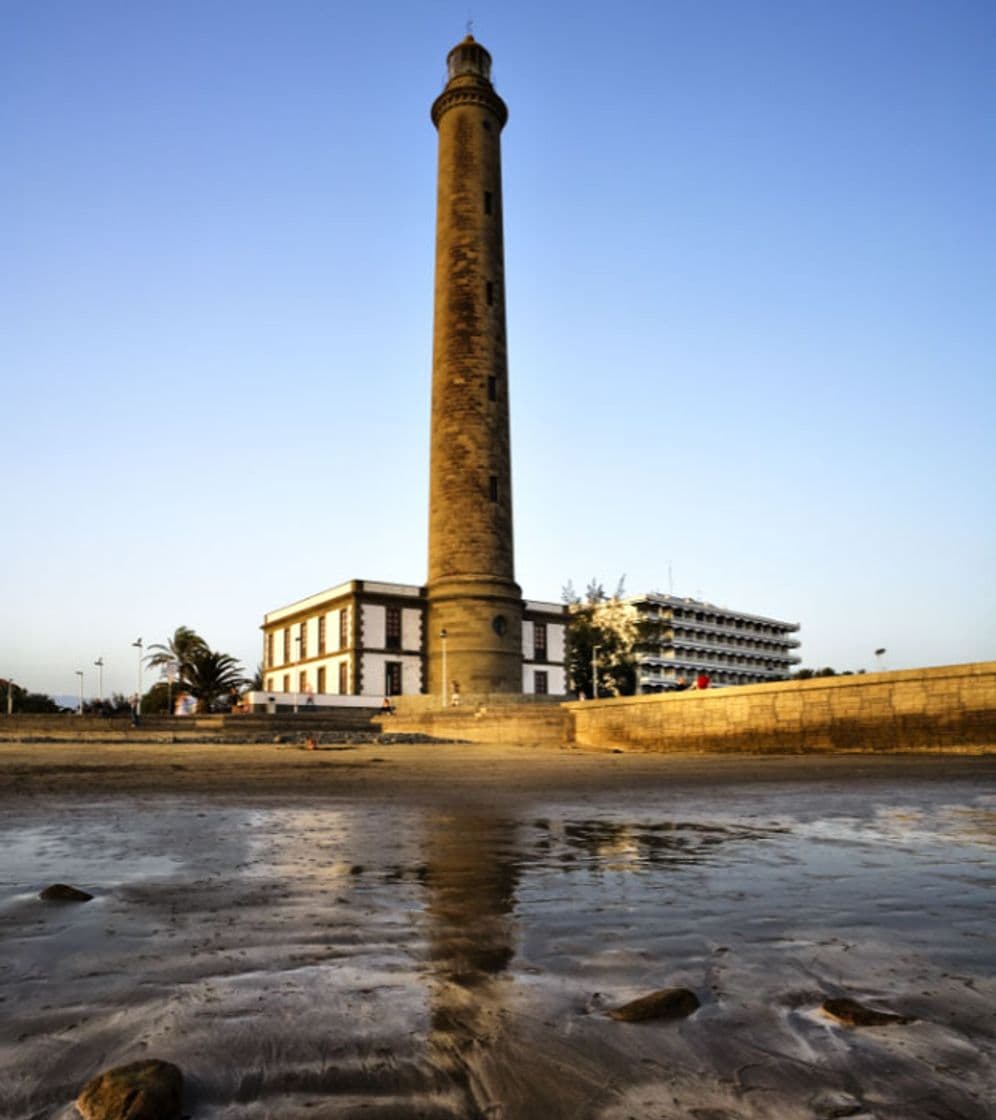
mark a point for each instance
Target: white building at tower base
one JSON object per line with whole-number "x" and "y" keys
{"x": 362, "y": 640}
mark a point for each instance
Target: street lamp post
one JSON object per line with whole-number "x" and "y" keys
{"x": 100, "y": 678}
{"x": 10, "y": 697}
{"x": 594, "y": 672}
{"x": 879, "y": 654}
{"x": 79, "y": 673}
{"x": 443, "y": 636}
{"x": 138, "y": 696}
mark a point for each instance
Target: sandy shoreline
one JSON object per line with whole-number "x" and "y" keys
{"x": 435, "y": 772}
{"x": 440, "y": 931}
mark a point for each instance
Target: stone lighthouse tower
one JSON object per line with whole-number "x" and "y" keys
{"x": 474, "y": 604}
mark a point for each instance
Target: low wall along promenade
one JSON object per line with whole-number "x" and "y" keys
{"x": 952, "y": 708}
{"x": 515, "y": 720}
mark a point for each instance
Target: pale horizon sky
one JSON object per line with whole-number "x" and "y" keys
{"x": 750, "y": 286}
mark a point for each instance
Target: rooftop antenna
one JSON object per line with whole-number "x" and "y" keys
{"x": 670, "y": 579}
{"x": 470, "y": 25}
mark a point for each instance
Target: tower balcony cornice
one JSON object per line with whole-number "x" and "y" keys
{"x": 484, "y": 96}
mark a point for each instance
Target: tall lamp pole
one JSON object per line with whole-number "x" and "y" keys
{"x": 79, "y": 673}
{"x": 100, "y": 678}
{"x": 594, "y": 672}
{"x": 443, "y": 636}
{"x": 138, "y": 698}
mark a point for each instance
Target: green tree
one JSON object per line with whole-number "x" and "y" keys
{"x": 117, "y": 704}
{"x": 602, "y": 630}
{"x": 37, "y": 703}
{"x": 211, "y": 678}
{"x": 174, "y": 655}
{"x": 157, "y": 701}
{"x": 808, "y": 674}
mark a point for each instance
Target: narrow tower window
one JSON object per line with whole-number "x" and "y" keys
{"x": 487, "y": 202}
{"x": 492, "y": 388}
{"x": 493, "y": 488}
{"x": 490, "y": 293}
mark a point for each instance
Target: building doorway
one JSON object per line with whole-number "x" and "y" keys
{"x": 392, "y": 678}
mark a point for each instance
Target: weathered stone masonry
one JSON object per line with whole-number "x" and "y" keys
{"x": 471, "y": 590}
{"x": 951, "y": 708}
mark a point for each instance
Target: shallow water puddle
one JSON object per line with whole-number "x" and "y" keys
{"x": 329, "y": 959}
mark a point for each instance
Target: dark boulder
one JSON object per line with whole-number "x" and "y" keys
{"x": 148, "y": 1090}
{"x": 60, "y": 892}
{"x": 853, "y": 1014}
{"x": 668, "y": 1003}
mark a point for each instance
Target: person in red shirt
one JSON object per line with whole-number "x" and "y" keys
{"x": 702, "y": 680}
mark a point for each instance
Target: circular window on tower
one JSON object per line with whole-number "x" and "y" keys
{"x": 500, "y": 625}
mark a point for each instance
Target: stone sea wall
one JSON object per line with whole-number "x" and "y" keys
{"x": 952, "y": 708}
{"x": 484, "y": 721}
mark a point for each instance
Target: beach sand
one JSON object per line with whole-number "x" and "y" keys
{"x": 440, "y": 930}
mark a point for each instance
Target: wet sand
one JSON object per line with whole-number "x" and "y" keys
{"x": 440, "y": 930}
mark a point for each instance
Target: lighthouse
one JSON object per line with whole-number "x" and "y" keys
{"x": 474, "y": 606}
{"x": 467, "y": 631}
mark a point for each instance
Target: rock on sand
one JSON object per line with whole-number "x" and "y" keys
{"x": 150, "y": 1090}
{"x": 60, "y": 892}
{"x": 668, "y": 1003}
{"x": 853, "y": 1014}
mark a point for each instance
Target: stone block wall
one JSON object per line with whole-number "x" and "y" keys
{"x": 952, "y": 708}
{"x": 512, "y": 724}
{"x": 208, "y": 728}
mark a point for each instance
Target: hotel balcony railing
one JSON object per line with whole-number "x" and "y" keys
{"x": 694, "y": 664}
{"x": 656, "y": 652}
{"x": 748, "y": 633}
{"x": 690, "y": 671}
{"x": 781, "y": 666}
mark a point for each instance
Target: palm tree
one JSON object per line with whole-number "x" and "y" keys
{"x": 175, "y": 655}
{"x": 209, "y": 676}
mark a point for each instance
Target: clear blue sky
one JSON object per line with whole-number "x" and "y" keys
{"x": 751, "y": 292}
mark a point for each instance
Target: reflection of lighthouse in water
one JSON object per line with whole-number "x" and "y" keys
{"x": 471, "y": 877}
{"x": 471, "y": 880}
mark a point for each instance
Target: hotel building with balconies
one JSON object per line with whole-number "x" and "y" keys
{"x": 680, "y": 638}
